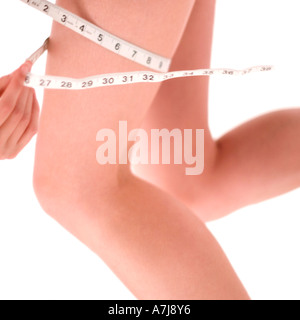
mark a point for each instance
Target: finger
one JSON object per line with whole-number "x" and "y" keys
{"x": 23, "y": 123}
{"x": 12, "y": 92}
{"x": 4, "y": 81}
{"x": 13, "y": 125}
{"x": 30, "y": 131}
{"x": 15, "y": 119}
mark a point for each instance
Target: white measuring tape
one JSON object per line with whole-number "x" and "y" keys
{"x": 118, "y": 46}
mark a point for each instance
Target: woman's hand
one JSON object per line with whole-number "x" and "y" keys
{"x": 19, "y": 113}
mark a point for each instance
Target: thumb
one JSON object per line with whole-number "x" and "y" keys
{"x": 24, "y": 69}
{"x": 20, "y": 72}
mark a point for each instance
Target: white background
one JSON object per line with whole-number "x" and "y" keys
{"x": 40, "y": 260}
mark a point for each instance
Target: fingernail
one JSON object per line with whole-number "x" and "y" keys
{"x": 26, "y": 67}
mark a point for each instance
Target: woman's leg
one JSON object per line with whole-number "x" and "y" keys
{"x": 153, "y": 243}
{"x": 259, "y": 160}
{"x": 183, "y": 103}
{"x": 254, "y": 162}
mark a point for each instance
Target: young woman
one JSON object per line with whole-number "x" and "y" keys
{"x": 148, "y": 226}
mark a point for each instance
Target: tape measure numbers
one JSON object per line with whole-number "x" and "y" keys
{"x": 100, "y": 36}
{"x": 118, "y": 46}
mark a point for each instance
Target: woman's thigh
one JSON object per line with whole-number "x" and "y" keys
{"x": 66, "y": 145}
{"x": 183, "y": 103}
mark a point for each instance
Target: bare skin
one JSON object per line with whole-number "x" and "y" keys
{"x": 257, "y": 161}
{"x": 19, "y": 113}
{"x": 154, "y": 243}
{"x": 153, "y": 236}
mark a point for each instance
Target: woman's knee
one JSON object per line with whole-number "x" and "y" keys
{"x": 61, "y": 194}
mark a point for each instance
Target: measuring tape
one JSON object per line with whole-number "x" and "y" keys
{"x": 118, "y": 46}
{"x": 100, "y": 36}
